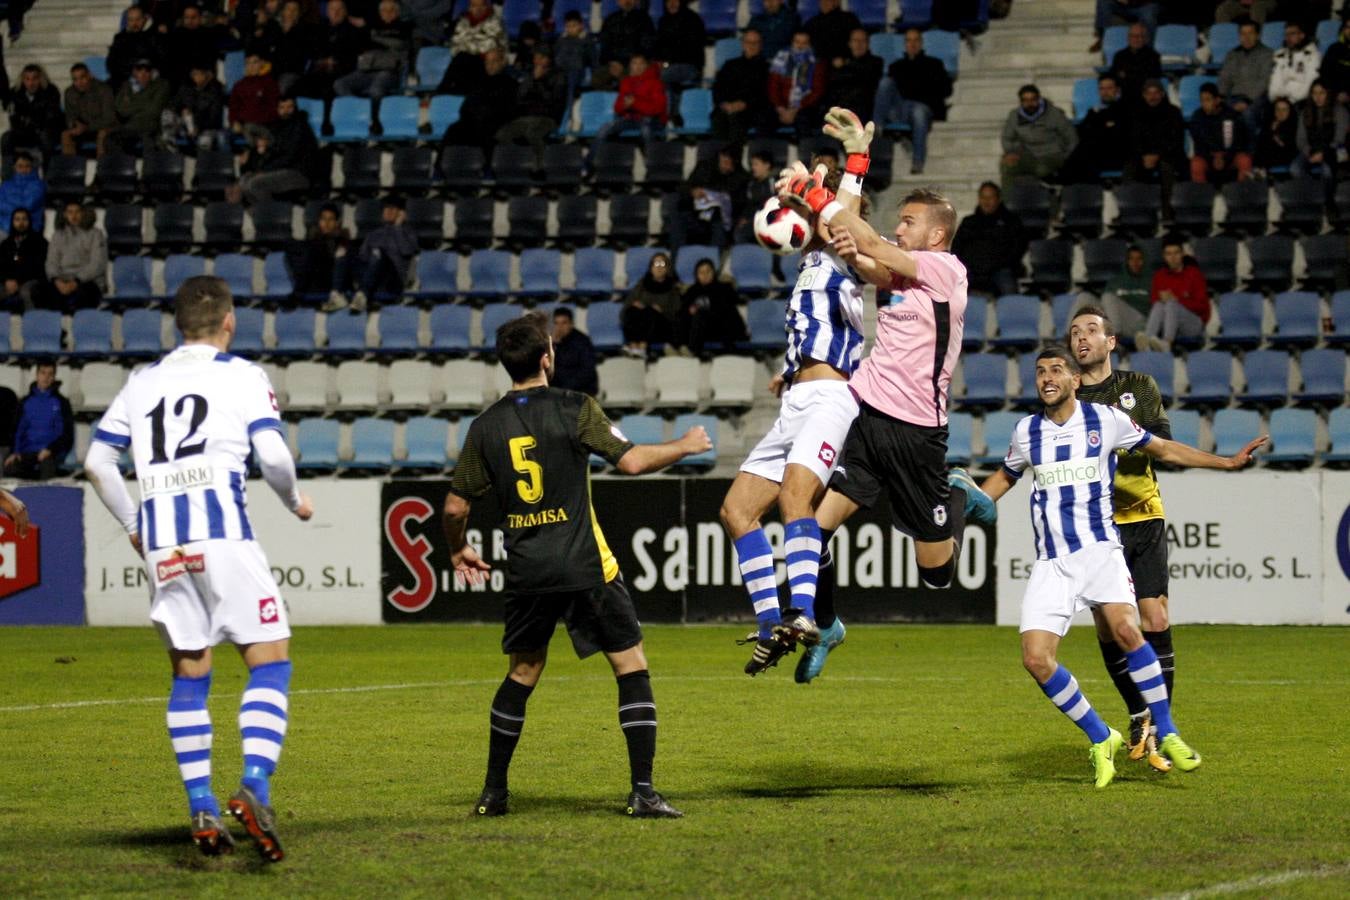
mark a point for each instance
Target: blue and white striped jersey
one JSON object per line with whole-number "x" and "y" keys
{"x": 1073, "y": 466}
{"x": 189, "y": 420}
{"x": 824, "y": 315}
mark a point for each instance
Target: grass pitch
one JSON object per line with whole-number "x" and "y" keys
{"x": 923, "y": 763}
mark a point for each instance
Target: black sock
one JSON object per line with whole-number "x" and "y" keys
{"x": 1118, "y": 667}
{"x": 637, "y": 718}
{"x": 1161, "y": 642}
{"x": 956, "y": 514}
{"x": 508, "y": 721}
{"x": 825, "y": 583}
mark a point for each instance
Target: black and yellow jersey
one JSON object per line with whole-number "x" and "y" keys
{"x": 532, "y": 450}
{"x": 1137, "y": 497}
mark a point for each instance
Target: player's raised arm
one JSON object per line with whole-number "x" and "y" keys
{"x": 809, "y": 195}
{"x": 644, "y": 458}
{"x": 997, "y": 485}
{"x": 1180, "y": 454}
{"x": 16, "y": 510}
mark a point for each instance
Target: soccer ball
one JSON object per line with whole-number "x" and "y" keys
{"x": 779, "y": 229}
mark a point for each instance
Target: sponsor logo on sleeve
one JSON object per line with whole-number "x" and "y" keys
{"x": 268, "y": 613}
{"x": 827, "y": 454}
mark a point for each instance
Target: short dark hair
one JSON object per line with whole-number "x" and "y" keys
{"x": 330, "y": 207}
{"x": 1063, "y": 353}
{"x": 1108, "y": 76}
{"x": 1108, "y": 327}
{"x": 564, "y": 311}
{"x": 520, "y": 344}
{"x": 25, "y": 156}
{"x": 1028, "y": 89}
{"x": 1210, "y": 88}
{"x": 46, "y": 362}
{"x": 763, "y": 156}
{"x": 1173, "y": 240}
{"x": 201, "y": 305}
{"x": 992, "y": 186}
{"x": 572, "y": 15}
{"x": 1244, "y": 21}
{"x": 940, "y": 209}
{"x": 78, "y": 67}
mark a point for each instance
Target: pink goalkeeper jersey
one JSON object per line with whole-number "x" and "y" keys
{"x": 909, "y": 371}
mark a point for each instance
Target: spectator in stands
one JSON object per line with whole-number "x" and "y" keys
{"x": 478, "y": 31}
{"x": 914, "y": 93}
{"x": 191, "y": 42}
{"x": 46, "y": 429}
{"x": 489, "y": 105}
{"x": 1335, "y": 71}
{"x": 775, "y": 25}
{"x": 574, "y": 53}
{"x": 135, "y": 41}
{"x": 990, "y": 242}
{"x": 23, "y": 189}
{"x": 1157, "y": 143}
{"x": 77, "y": 262}
{"x": 1179, "y": 299}
{"x": 853, "y": 80}
{"x": 541, "y": 100}
{"x": 382, "y": 263}
{"x": 381, "y": 66}
{"x": 679, "y": 48}
{"x": 1277, "y": 146}
{"x": 741, "y": 92}
{"x": 528, "y": 37}
{"x": 625, "y": 31}
{"x": 254, "y": 98}
{"x": 281, "y": 158}
{"x": 1219, "y": 138}
{"x": 197, "y": 111}
{"x": 829, "y": 30}
{"x": 35, "y": 116}
{"x": 337, "y": 44}
{"x": 23, "y": 258}
{"x": 1245, "y": 75}
{"x": 429, "y": 18}
{"x": 1037, "y": 138}
{"x": 707, "y": 203}
{"x": 1295, "y": 65}
{"x": 1126, "y": 297}
{"x": 651, "y": 307}
{"x": 1136, "y": 63}
{"x": 1111, "y": 12}
{"x": 1103, "y": 137}
{"x": 9, "y": 418}
{"x": 321, "y": 265}
{"x": 758, "y": 189}
{"x": 1322, "y": 128}
{"x": 708, "y": 313}
{"x": 1257, "y": 11}
{"x": 573, "y": 356}
{"x": 640, "y": 105}
{"x": 140, "y": 105}
{"x": 287, "y": 42}
{"x": 89, "y": 111}
{"x": 797, "y": 85}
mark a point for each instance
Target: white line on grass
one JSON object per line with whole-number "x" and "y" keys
{"x": 1257, "y": 882}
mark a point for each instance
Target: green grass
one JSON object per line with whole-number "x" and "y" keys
{"x": 924, "y": 762}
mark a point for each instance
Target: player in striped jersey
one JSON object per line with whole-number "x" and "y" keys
{"x": 1070, "y": 449}
{"x": 791, "y": 464}
{"x": 190, "y": 420}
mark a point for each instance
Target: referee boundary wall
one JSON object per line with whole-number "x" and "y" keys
{"x": 1265, "y": 548}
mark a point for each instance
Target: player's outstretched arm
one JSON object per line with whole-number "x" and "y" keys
{"x": 644, "y": 458}
{"x": 469, "y": 567}
{"x": 868, "y": 269}
{"x": 16, "y": 510}
{"x": 997, "y": 485}
{"x": 1180, "y": 454}
{"x": 278, "y": 470}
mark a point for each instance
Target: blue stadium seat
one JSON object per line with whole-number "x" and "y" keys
{"x": 728, "y": 48}
{"x": 91, "y": 333}
{"x": 1217, "y": 257}
{"x": 141, "y": 333}
{"x": 276, "y": 276}
{"x": 317, "y": 443}
{"x": 719, "y": 16}
{"x": 1323, "y": 374}
{"x": 687, "y": 259}
{"x": 1188, "y": 93}
{"x": 1322, "y": 255}
{"x": 1114, "y": 39}
{"x": 490, "y": 274}
{"x": 1233, "y": 428}
{"x": 1272, "y": 257}
{"x": 98, "y": 66}
{"x": 636, "y": 262}
{"x": 872, "y": 13}
{"x": 960, "y": 435}
{"x": 603, "y": 326}
{"x": 1176, "y": 44}
{"x": 1062, "y": 306}
{"x": 643, "y": 429}
{"x": 234, "y": 69}
{"x": 1185, "y": 426}
{"x": 1027, "y": 397}
{"x": 1019, "y": 321}
{"x": 372, "y": 445}
{"x": 1240, "y": 314}
{"x": 131, "y": 278}
{"x": 248, "y": 331}
{"x": 398, "y": 118}
{"x": 1267, "y": 373}
{"x": 430, "y": 67}
{"x": 986, "y": 377}
{"x": 351, "y": 118}
{"x": 1051, "y": 264}
{"x": 1209, "y": 374}
{"x": 1328, "y": 30}
{"x": 312, "y": 107}
{"x": 443, "y": 112}
{"x": 945, "y": 46}
{"x": 178, "y": 268}
{"x": 425, "y": 440}
{"x": 998, "y": 429}
{"x": 450, "y": 328}
{"x": 889, "y": 47}
{"x": 751, "y": 266}
{"x": 1272, "y": 34}
{"x": 1223, "y": 37}
{"x": 1339, "y": 336}
{"x": 1293, "y": 438}
{"x": 398, "y": 329}
{"x": 539, "y": 272}
{"x": 765, "y": 321}
{"x": 237, "y": 270}
{"x": 1338, "y": 430}
{"x": 1160, "y": 367}
{"x": 1085, "y": 98}
{"x": 495, "y": 315}
{"x": 915, "y": 14}
{"x": 594, "y": 271}
{"x": 1298, "y": 319}
{"x": 704, "y": 461}
{"x": 517, "y": 12}
{"x": 463, "y": 432}
{"x": 977, "y": 316}
{"x": 437, "y": 274}
{"x": 696, "y": 106}
{"x": 294, "y": 330}
{"x": 593, "y": 110}
{"x": 41, "y": 329}
{"x": 346, "y": 333}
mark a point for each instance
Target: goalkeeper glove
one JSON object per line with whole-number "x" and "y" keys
{"x": 808, "y": 192}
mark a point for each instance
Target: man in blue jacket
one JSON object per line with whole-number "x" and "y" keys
{"x": 46, "y": 429}
{"x": 25, "y": 189}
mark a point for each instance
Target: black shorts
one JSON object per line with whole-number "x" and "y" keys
{"x": 599, "y": 619}
{"x": 1146, "y": 555}
{"x": 909, "y": 461}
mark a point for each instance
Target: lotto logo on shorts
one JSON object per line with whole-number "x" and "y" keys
{"x": 268, "y": 614}
{"x": 826, "y": 454}
{"x": 171, "y": 568}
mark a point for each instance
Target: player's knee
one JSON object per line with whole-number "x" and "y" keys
{"x": 1039, "y": 663}
{"x": 1127, "y": 634}
{"x": 939, "y": 576}
{"x": 1153, "y": 616}
{"x": 734, "y": 520}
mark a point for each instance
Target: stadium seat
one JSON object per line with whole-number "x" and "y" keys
{"x": 1085, "y": 98}
{"x": 361, "y": 170}
{"x": 214, "y": 173}
{"x": 178, "y": 268}
{"x": 351, "y": 120}
{"x": 356, "y": 383}
{"x": 986, "y": 380}
{"x": 593, "y": 270}
{"x": 41, "y": 330}
{"x": 450, "y": 329}
{"x": 1323, "y": 374}
{"x": 1233, "y": 428}
{"x": 1114, "y": 39}
{"x": 465, "y": 381}
{"x": 751, "y": 267}
{"x": 688, "y": 257}
{"x": 1339, "y": 211}
{"x": 1051, "y": 265}
{"x": 594, "y": 109}
{"x": 677, "y": 382}
{"x": 764, "y": 320}
{"x": 732, "y": 379}
{"x": 1031, "y": 202}
{"x": 1302, "y": 201}
{"x": 562, "y": 167}
{"x": 1247, "y": 203}
{"x": 775, "y": 147}
{"x": 1188, "y": 94}
{"x": 729, "y": 48}
{"x": 1185, "y": 426}
{"x": 613, "y": 165}
{"x": 399, "y": 118}
{"x": 142, "y": 333}
{"x": 425, "y": 441}
{"x": 1223, "y": 37}
{"x": 346, "y": 333}
{"x": 643, "y": 429}
{"x": 1339, "y": 336}
{"x": 307, "y": 386}
{"x": 915, "y": 14}
{"x": 603, "y": 326}
{"x": 1018, "y": 322}
{"x": 1272, "y": 257}
{"x": 173, "y": 227}
{"x": 294, "y": 330}
{"x": 697, "y": 462}
{"x": 115, "y": 176}
{"x": 432, "y": 61}
{"x": 1298, "y": 319}
{"x": 976, "y": 325}
{"x": 1160, "y": 366}
{"x": 622, "y": 380}
{"x": 463, "y": 432}
{"x": 465, "y": 177}
{"x": 512, "y": 168}
{"x": 1241, "y": 315}
{"x": 437, "y": 275}
{"x": 1138, "y": 206}
{"x": 272, "y": 223}
{"x": 224, "y": 226}
{"x": 415, "y": 384}
{"x": 124, "y": 226}
{"x": 629, "y": 217}
{"x": 99, "y": 385}
{"x": 313, "y": 108}
{"x": 696, "y": 106}
{"x": 1267, "y": 374}
{"x": 1209, "y": 374}
{"x": 1338, "y": 432}
{"x": 1322, "y": 255}
{"x": 495, "y": 315}
{"x": 1193, "y": 207}
{"x": 396, "y": 329}
{"x": 473, "y": 222}
{"x": 1217, "y": 257}
{"x": 527, "y": 223}
{"x": 719, "y": 16}
{"x": 276, "y": 277}
{"x": 131, "y": 278}
{"x": 490, "y": 274}
{"x": 942, "y": 45}
{"x": 372, "y": 445}
{"x": 665, "y": 165}
{"x": 1103, "y": 259}
{"x": 1062, "y": 306}
{"x": 998, "y": 430}
{"x": 1272, "y": 34}
{"x": 443, "y": 112}
{"x": 1027, "y": 396}
{"x": 426, "y": 215}
{"x": 162, "y": 175}
{"x": 1293, "y": 438}
{"x": 248, "y": 331}
{"x": 414, "y": 171}
{"x": 636, "y": 262}
{"x": 960, "y": 436}
{"x": 577, "y": 221}
{"x": 1081, "y": 209}
{"x": 317, "y": 442}
{"x": 539, "y": 272}
{"x": 91, "y": 333}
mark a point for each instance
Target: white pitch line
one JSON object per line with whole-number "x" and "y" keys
{"x": 1256, "y": 882}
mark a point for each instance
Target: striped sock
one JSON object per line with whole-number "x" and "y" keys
{"x": 802, "y": 549}
{"x": 506, "y": 720}
{"x": 1062, "y": 689}
{"x": 637, "y": 719}
{"x": 262, "y": 723}
{"x": 1148, "y": 674}
{"x": 756, "y": 561}
{"x": 1161, "y": 642}
{"x": 190, "y": 731}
